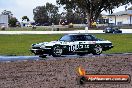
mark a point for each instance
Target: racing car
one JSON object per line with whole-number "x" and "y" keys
{"x": 71, "y": 44}
{"x": 112, "y": 30}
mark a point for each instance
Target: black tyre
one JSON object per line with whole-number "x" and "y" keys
{"x": 57, "y": 51}
{"x": 81, "y": 54}
{"x": 97, "y": 50}
{"x": 42, "y": 56}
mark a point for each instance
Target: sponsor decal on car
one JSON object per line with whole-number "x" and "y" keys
{"x": 79, "y": 46}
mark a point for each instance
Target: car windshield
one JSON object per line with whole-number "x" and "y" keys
{"x": 116, "y": 28}
{"x": 78, "y": 38}
{"x": 65, "y": 38}
{"x": 109, "y": 28}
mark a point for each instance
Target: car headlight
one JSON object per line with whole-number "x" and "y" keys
{"x": 32, "y": 44}
{"x": 43, "y": 46}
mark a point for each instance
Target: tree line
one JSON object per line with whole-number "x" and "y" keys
{"x": 76, "y": 11}
{"x": 49, "y": 13}
{"x": 13, "y": 21}
{"x": 93, "y": 8}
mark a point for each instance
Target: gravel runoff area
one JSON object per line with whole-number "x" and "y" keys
{"x": 62, "y": 73}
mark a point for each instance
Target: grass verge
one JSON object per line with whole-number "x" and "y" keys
{"x": 41, "y": 28}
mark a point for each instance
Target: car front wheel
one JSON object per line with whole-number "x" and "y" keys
{"x": 42, "y": 56}
{"x": 56, "y": 51}
{"x": 97, "y": 50}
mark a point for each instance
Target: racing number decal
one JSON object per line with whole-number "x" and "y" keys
{"x": 79, "y": 46}
{"x": 86, "y": 46}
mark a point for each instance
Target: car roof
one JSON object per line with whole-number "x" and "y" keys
{"x": 78, "y": 34}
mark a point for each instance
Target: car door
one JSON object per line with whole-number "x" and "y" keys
{"x": 71, "y": 43}
{"x": 89, "y": 42}
{"x": 79, "y": 43}
{"x": 67, "y": 43}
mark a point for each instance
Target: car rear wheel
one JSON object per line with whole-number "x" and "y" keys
{"x": 56, "y": 51}
{"x": 97, "y": 50}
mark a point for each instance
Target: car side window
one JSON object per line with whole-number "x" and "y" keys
{"x": 88, "y": 38}
{"x": 78, "y": 38}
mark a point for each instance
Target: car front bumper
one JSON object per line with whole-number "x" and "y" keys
{"x": 37, "y": 51}
{"x": 40, "y": 51}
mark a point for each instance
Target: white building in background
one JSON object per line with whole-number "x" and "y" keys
{"x": 4, "y": 20}
{"x": 121, "y": 18}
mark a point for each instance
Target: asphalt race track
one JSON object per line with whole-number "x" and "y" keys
{"x": 26, "y": 58}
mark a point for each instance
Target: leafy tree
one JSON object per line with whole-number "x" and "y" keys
{"x": 25, "y": 18}
{"x": 40, "y": 14}
{"x": 52, "y": 11}
{"x": 9, "y": 13}
{"x": 46, "y": 14}
{"x": 79, "y": 16}
{"x": 70, "y": 16}
{"x": 73, "y": 16}
{"x": 93, "y": 8}
{"x": 12, "y": 22}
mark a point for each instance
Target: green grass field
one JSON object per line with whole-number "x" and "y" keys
{"x": 20, "y": 44}
{"x": 39, "y": 28}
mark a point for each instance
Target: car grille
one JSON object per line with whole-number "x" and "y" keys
{"x": 36, "y": 47}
